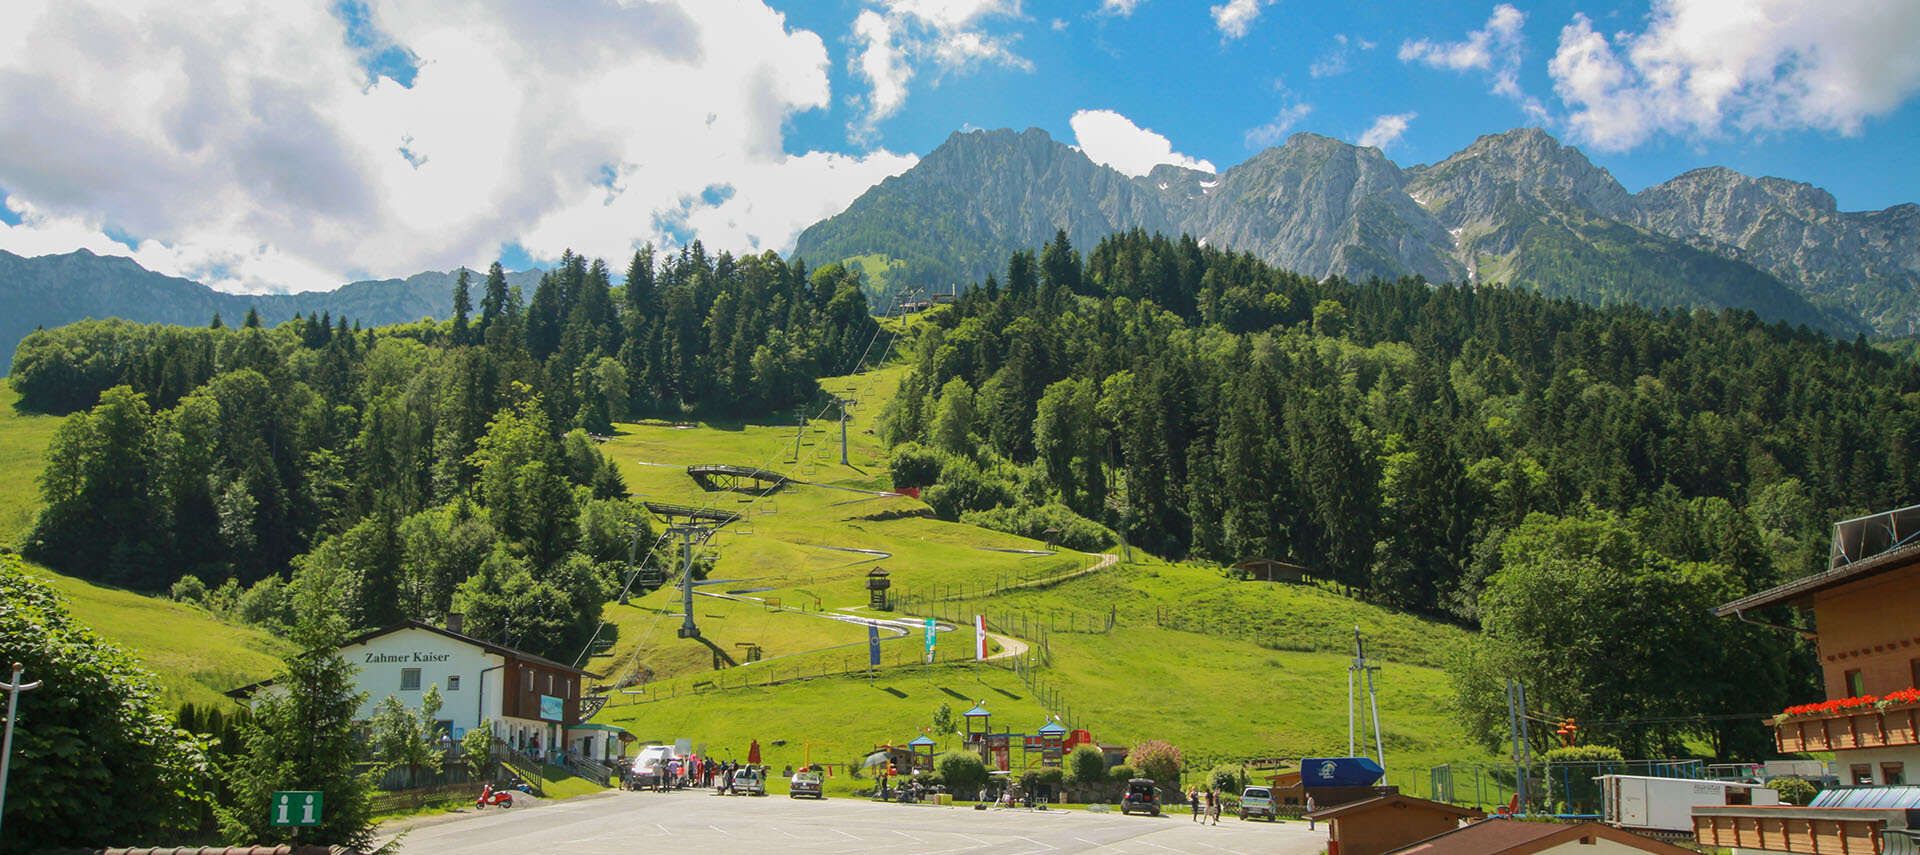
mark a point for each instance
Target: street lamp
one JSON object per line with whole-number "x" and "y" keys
{"x": 13, "y": 689}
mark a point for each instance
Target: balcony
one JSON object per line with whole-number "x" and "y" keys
{"x": 1814, "y": 831}
{"x": 1867, "y": 727}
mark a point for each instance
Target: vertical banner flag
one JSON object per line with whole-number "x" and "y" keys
{"x": 931, "y": 629}
{"x": 980, "y": 637}
{"x": 873, "y": 645}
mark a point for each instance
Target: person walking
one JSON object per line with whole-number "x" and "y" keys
{"x": 1193, "y": 802}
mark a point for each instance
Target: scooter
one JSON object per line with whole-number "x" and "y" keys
{"x": 491, "y": 796}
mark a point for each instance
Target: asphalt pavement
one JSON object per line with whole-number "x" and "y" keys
{"x": 627, "y": 822}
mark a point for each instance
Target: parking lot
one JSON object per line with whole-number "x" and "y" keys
{"x": 623, "y": 822}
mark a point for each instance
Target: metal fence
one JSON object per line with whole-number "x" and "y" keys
{"x": 1565, "y": 790}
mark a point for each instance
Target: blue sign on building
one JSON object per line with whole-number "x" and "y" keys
{"x": 1339, "y": 772}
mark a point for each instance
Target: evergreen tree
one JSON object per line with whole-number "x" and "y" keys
{"x": 462, "y": 305}
{"x": 303, "y": 736}
{"x": 493, "y": 301}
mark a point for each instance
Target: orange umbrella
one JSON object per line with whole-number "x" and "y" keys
{"x": 753, "y": 753}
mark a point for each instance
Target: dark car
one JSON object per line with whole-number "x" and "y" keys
{"x": 1141, "y": 797}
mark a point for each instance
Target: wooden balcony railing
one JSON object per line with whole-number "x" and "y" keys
{"x": 1892, "y": 727}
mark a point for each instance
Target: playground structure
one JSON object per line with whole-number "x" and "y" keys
{"x": 719, "y": 477}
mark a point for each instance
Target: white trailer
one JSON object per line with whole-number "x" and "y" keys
{"x": 1666, "y": 804}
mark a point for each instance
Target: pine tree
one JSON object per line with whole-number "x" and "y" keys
{"x": 303, "y": 736}
{"x": 462, "y": 305}
{"x": 493, "y": 301}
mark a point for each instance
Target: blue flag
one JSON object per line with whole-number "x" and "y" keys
{"x": 873, "y": 645}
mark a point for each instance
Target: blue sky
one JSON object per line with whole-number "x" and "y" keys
{"x": 276, "y": 145}
{"x": 1168, "y": 68}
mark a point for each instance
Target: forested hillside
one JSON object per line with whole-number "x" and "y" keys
{"x": 1400, "y": 439}
{"x": 404, "y": 471}
{"x": 54, "y": 290}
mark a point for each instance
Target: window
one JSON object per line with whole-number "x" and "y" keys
{"x": 409, "y": 679}
{"x": 1893, "y": 774}
{"x": 453, "y": 682}
{"x": 1856, "y": 685}
{"x": 1862, "y": 775}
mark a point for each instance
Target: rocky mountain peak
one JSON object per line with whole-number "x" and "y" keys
{"x": 1524, "y": 165}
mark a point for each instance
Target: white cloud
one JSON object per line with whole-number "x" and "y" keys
{"x": 1276, "y": 130}
{"x": 1496, "y": 48}
{"x": 1334, "y": 61}
{"x": 244, "y": 145}
{"x": 952, "y": 14}
{"x": 1235, "y": 17}
{"x": 948, "y": 33}
{"x": 1386, "y": 130}
{"x": 882, "y": 64}
{"x": 1123, "y": 8}
{"x": 1110, "y": 138}
{"x": 1702, "y": 66}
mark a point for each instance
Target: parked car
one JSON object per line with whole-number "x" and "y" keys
{"x": 749, "y": 781}
{"x": 805, "y": 784}
{"x": 1141, "y": 797}
{"x": 1258, "y": 802}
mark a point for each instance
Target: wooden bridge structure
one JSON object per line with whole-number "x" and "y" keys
{"x": 714, "y": 477}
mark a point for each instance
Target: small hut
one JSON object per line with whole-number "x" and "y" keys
{"x": 1269, "y": 570}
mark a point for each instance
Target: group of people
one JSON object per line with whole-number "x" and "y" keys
{"x": 1208, "y": 800}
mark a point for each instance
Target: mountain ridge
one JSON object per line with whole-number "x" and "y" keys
{"x": 1518, "y": 208}
{"x": 53, "y": 290}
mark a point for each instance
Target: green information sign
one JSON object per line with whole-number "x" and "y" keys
{"x": 295, "y": 807}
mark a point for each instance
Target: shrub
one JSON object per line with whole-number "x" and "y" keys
{"x": 189, "y": 589}
{"x": 1226, "y": 779}
{"x": 1794, "y": 791}
{"x": 1159, "y": 760}
{"x": 1075, "y": 531}
{"x": 914, "y": 465}
{"x": 1086, "y": 765}
{"x": 1583, "y": 754}
{"x": 962, "y": 771}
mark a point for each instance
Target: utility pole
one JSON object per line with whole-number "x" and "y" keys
{"x": 688, "y": 532}
{"x": 1360, "y": 666}
{"x": 1522, "y": 751}
{"x": 844, "y": 403}
{"x": 13, "y": 689}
